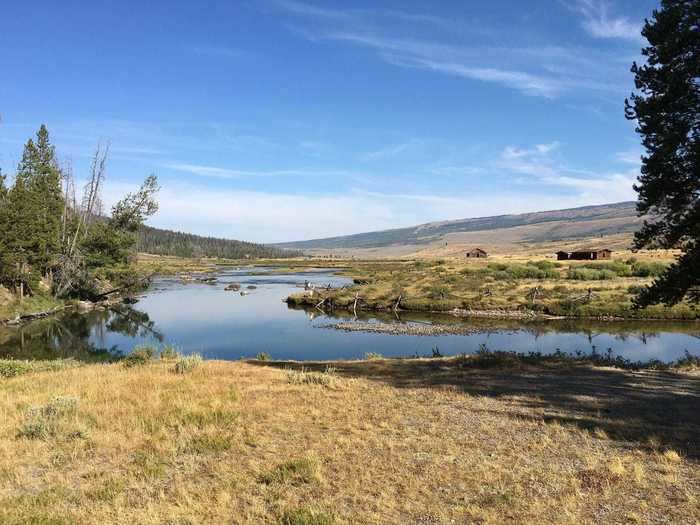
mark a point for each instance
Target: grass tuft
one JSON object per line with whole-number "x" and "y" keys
{"x": 43, "y": 422}
{"x": 263, "y": 356}
{"x": 308, "y": 377}
{"x": 208, "y": 444}
{"x": 169, "y": 353}
{"x": 188, "y": 363}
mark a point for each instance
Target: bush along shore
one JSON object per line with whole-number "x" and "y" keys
{"x": 535, "y": 289}
{"x": 157, "y": 437}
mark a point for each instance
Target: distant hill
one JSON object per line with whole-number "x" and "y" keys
{"x": 167, "y": 242}
{"x": 573, "y": 223}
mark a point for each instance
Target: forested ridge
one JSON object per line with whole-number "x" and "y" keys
{"x": 168, "y": 242}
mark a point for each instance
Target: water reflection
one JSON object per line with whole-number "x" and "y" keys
{"x": 197, "y": 317}
{"x": 77, "y": 335}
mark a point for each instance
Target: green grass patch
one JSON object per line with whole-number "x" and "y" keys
{"x": 305, "y": 516}
{"x": 15, "y": 367}
{"x": 295, "y": 472}
{"x": 208, "y": 444}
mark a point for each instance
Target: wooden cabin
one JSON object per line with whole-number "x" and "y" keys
{"x": 584, "y": 255}
{"x": 476, "y": 253}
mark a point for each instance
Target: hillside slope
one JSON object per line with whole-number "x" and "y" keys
{"x": 573, "y": 223}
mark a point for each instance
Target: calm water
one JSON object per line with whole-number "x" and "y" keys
{"x": 204, "y": 318}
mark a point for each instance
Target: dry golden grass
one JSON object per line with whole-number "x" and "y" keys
{"x": 168, "y": 265}
{"x": 415, "y": 441}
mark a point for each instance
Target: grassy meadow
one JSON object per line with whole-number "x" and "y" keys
{"x": 428, "y": 441}
{"x": 527, "y": 283}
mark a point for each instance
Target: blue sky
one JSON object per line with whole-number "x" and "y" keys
{"x": 273, "y": 120}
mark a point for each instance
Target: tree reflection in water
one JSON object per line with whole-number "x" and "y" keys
{"x": 74, "y": 334}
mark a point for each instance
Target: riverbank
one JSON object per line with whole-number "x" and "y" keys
{"x": 523, "y": 289}
{"x": 383, "y": 441}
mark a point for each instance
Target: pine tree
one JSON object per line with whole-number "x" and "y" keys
{"x": 3, "y": 189}
{"x": 46, "y": 200}
{"x": 666, "y": 108}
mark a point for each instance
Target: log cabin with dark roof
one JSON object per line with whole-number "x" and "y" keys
{"x": 584, "y": 255}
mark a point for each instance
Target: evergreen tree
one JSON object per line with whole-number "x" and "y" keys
{"x": 3, "y": 189}
{"x": 46, "y": 196}
{"x": 14, "y": 267}
{"x": 666, "y": 108}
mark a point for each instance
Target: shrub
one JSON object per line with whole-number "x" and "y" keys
{"x": 44, "y": 421}
{"x": 544, "y": 265}
{"x": 373, "y": 355}
{"x": 635, "y": 289}
{"x": 688, "y": 362}
{"x": 648, "y": 269}
{"x": 304, "y": 516}
{"x": 140, "y": 356}
{"x": 294, "y": 472}
{"x": 504, "y": 272}
{"x": 263, "y": 356}
{"x": 188, "y": 363}
{"x": 590, "y": 274}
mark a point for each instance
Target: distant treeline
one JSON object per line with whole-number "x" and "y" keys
{"x": 166, "y": 242}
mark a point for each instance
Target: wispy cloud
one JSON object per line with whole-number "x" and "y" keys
{"x": 598, "y": 22}
{"x": 393, "y": 150}
{"x": 228, "y": 173}
{"x": 361, "y": 15}
{"x": 535, "y": 71}
{"x": 452, "y": 60}
{"x": 633, "y": 157}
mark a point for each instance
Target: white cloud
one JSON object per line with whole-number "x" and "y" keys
{"x": 613, "y": 187}
{"x": 274, "y": 217}
{"x": 599, "y": 24}
{"x": 541, "y": 168}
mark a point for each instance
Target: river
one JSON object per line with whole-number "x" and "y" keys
{"x": 204, "y": 318}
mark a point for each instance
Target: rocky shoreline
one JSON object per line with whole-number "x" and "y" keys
{"x": 402, "y": 329}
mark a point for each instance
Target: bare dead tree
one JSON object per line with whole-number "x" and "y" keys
{"x": 70, "y": 265}
{"x": 91, "y": 194}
